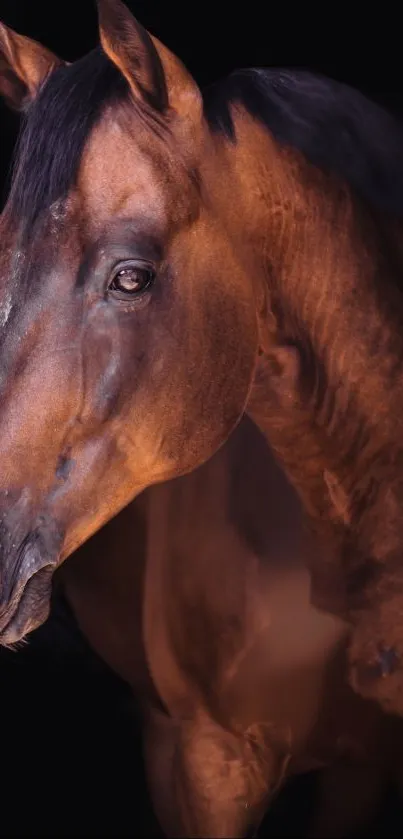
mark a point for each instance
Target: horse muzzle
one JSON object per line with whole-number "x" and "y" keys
{"x": 29, "y": 556}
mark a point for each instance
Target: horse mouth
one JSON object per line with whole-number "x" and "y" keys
{"x": 26, "y": 598}
{"x": 30, "y": 610}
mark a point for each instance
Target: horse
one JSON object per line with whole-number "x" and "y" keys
{"x": 198, "y": 596}
{"x": 169, "y": 262}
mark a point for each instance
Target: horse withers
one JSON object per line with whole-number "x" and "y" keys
{"x": 168, "y": 263}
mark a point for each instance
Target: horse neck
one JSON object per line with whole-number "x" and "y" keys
{"x": 321, "y": 253}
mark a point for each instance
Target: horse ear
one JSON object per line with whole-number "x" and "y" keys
{"x": 24, "y": 65}
{"x": 152, "y": 71}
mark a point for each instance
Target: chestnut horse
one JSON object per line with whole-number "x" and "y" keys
{"x": 197, "y": 594}
{"x": 168, "y": 263}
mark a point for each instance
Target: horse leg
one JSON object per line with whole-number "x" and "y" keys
{"x": 205, "y": 781}
{"x": 159, "y": 744}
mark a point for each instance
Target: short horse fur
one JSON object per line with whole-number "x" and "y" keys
{"x": 168, "y": 262}
{"x": 198, "y": 595}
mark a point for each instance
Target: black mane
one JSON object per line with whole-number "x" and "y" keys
{"x": 333, "y": 125}
{"x": 55, "y": 129}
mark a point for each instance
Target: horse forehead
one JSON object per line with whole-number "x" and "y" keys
{"x": 119, "y": 172}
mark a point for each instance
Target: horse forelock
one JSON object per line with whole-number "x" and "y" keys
{"x": 54, "y": 132}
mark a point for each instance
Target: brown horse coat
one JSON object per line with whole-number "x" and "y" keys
{"x": 167, "y": 263}
{"x": 198, "y": 595}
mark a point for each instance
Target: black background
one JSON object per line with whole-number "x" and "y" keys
{"x": 70, "y": 757}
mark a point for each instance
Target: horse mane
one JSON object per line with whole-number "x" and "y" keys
{"x": 55, "y": 128}
{"x": 333, "y": 125}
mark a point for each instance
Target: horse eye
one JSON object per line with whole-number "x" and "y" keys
{"x": 132, "y": 279}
